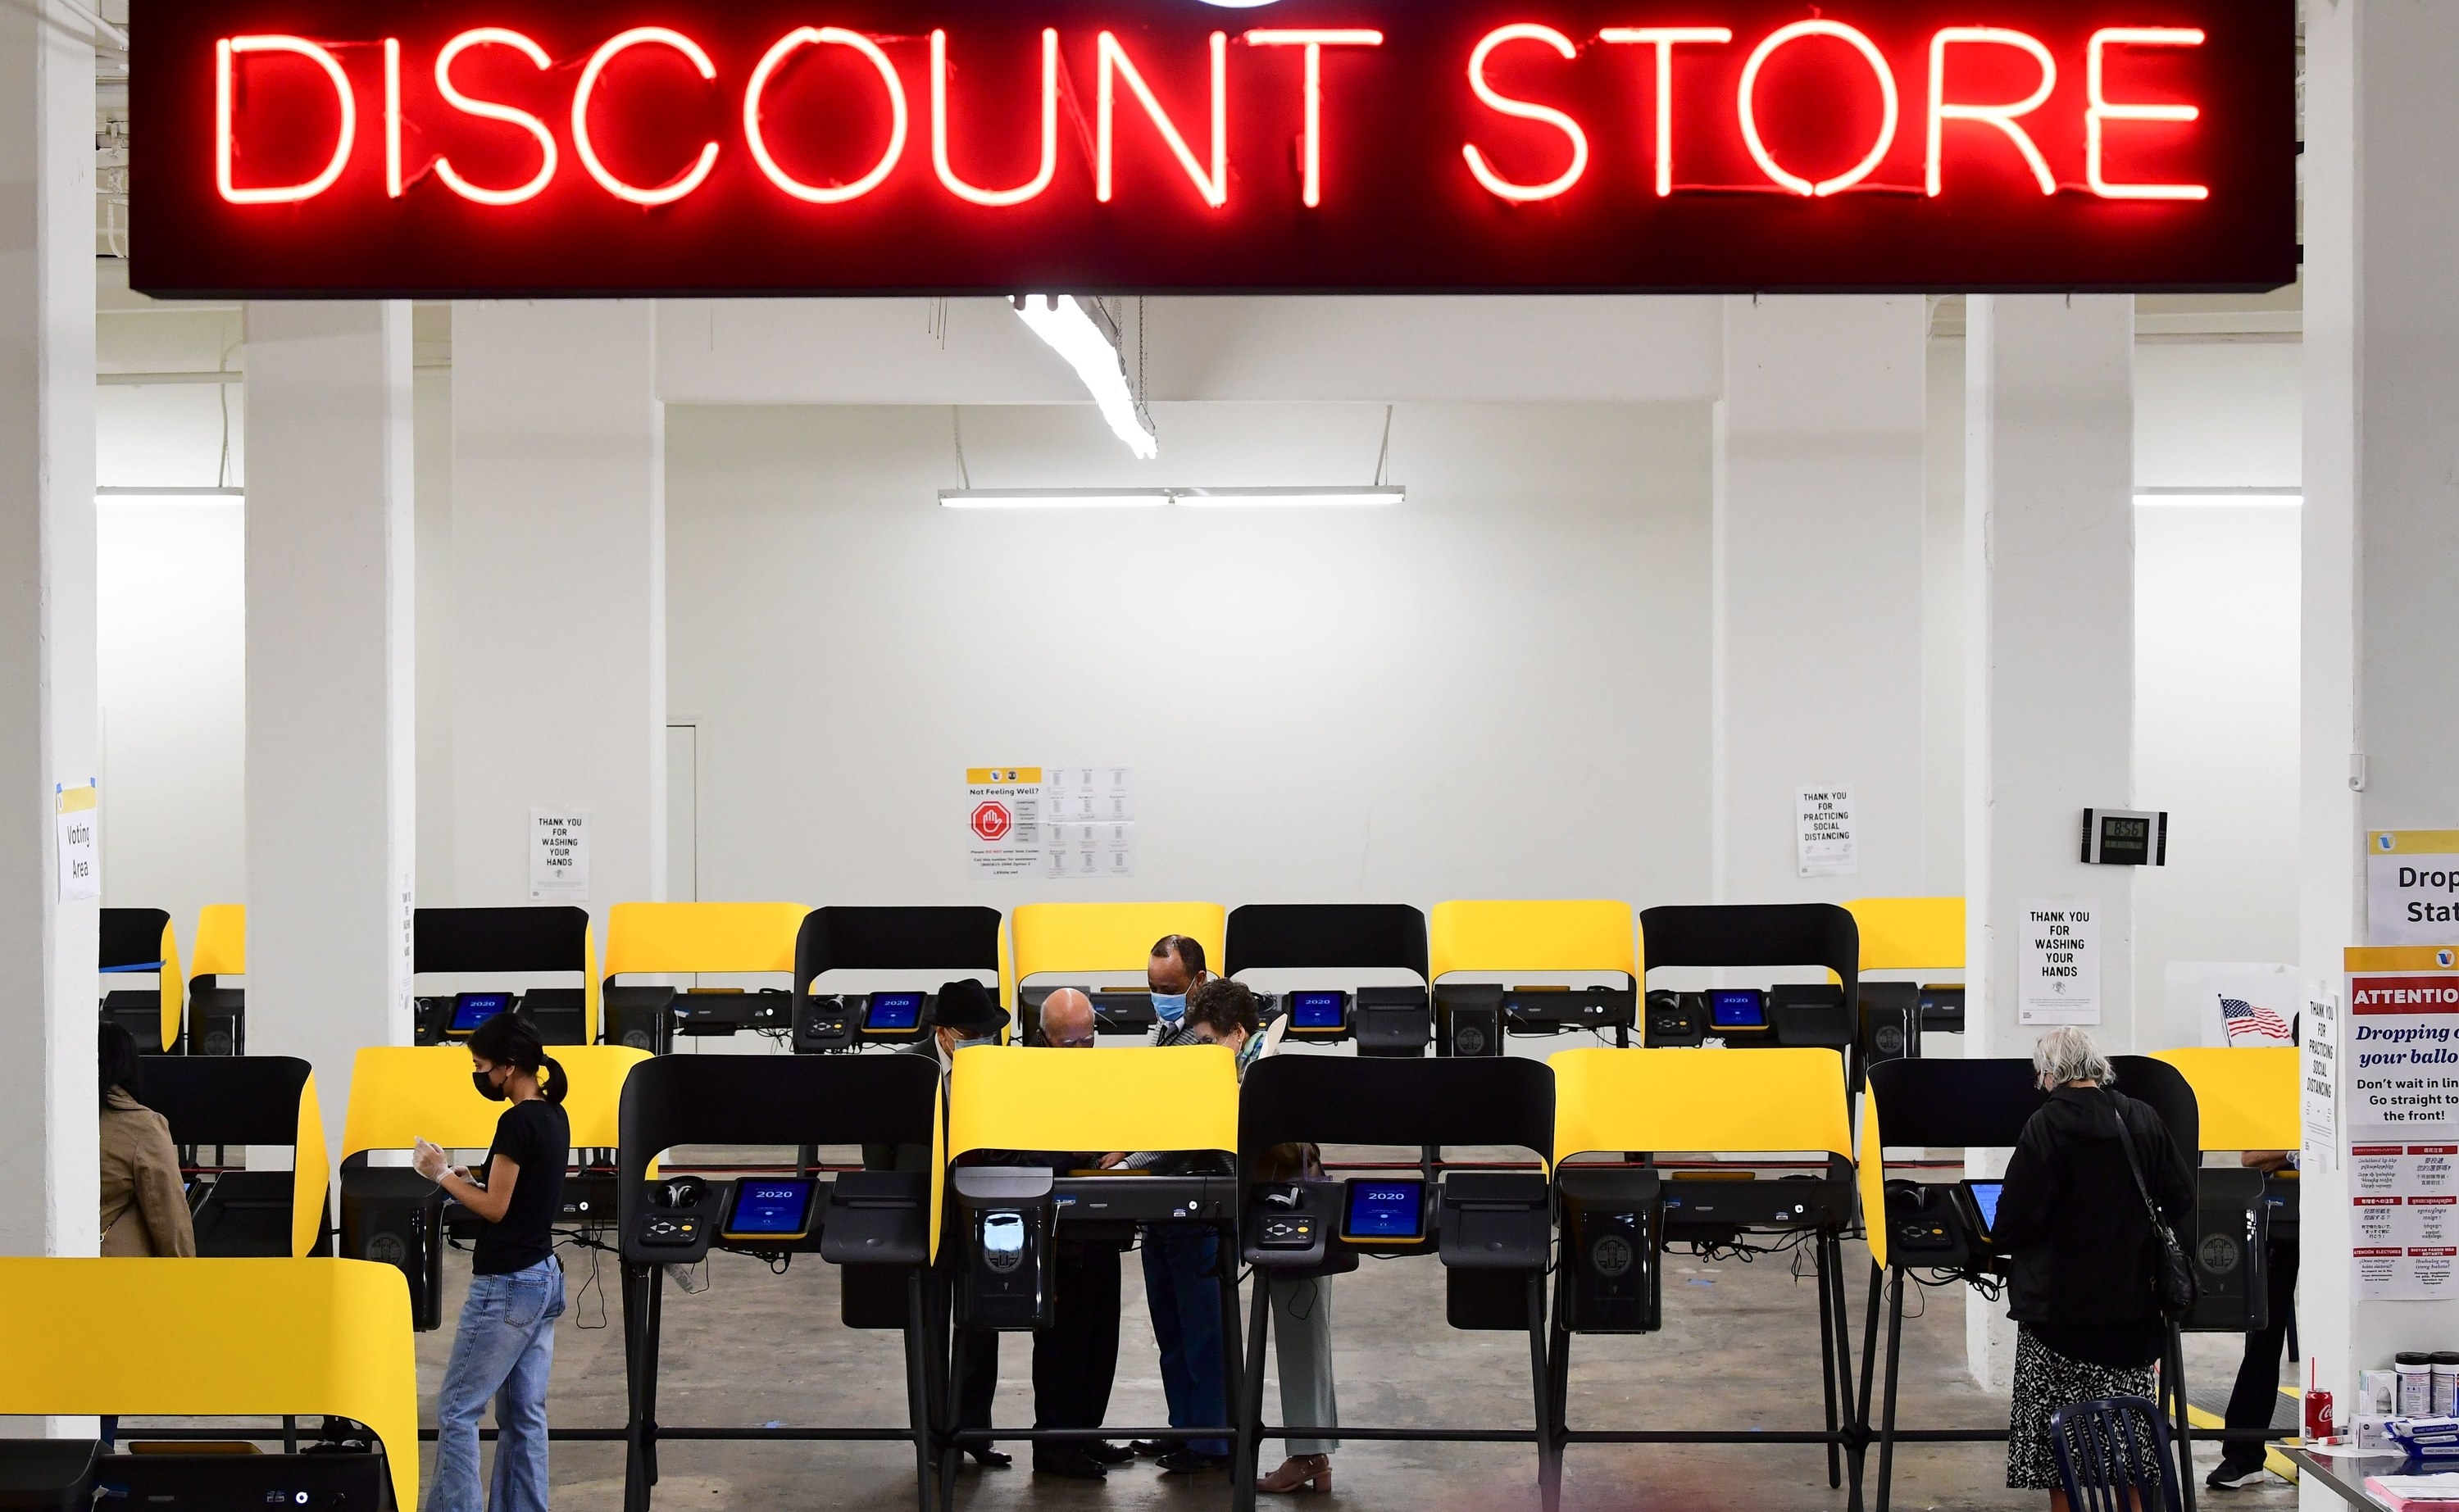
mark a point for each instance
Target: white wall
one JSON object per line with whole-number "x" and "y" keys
{"x": 173, "y": 653}
{"x": 2216, "y": 730}
{"x": 2217, "y": 658}
{"x": 1499, "y": 688}
{"x": 171, "y": 644}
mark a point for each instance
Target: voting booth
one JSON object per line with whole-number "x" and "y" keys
{"x": 1073, "y": 943}
{"x": 2246, "y": 1098}
{"x": 140, "y": 942}
{"x": 216, "y": 1018}
{"x": 1576, "y": 937}
{"x": 218, "y": 1103}
{"x": 1006, "y": 1221}
{"x": 1618, "y": 1214}
{"x": 1937, "y": 1234}
{"x": 1492, "y": 1229}
{"x": 1908, "y": 936}
{"x": 1332, "y": 940}
{"x": 400, "y": 1095}
{"x": 671, "y": 940}
{"x": 221, "y": 1338}
{"x": 1788, "y": 1015}
{"x": 929, "y": 944}
{"x": 500, "y": 943}
{"x": 881, "y": 1222}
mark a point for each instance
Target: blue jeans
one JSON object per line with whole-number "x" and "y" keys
{"x": 1186, "y": 1301}
{"x": 504, "y": 1350}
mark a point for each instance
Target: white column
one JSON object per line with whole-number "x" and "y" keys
{"x": 49, "y": 735}
{"x": 331, "y": 780}
{"x": 2048, "y": 712}
{"x": 1817, "y": 591}
{"x": 560, "y": 582}
{"x": 2380, "y": 548}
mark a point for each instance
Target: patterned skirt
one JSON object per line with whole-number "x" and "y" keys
{"x": 2044, "y": 1381}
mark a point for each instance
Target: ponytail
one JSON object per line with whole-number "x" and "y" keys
{"x": 513, "y": 1041}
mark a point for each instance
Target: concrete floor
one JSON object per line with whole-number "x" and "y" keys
{"x": 1738, "y": 1348}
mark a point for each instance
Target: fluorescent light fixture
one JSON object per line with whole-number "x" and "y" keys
{"x": 1053, "y": 498}
{"x": 1379, "y": 493}
{"x": 1091, "y": 347}
{"x": 1149, "y": 498}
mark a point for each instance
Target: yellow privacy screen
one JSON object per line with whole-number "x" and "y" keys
{"x": 1572, "y": 935}
{"x": 1144, "y": 1098}
{"x": 160, "y": 1338}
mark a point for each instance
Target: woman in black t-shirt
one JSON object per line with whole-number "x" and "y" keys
{"x": 506, "y": 1345}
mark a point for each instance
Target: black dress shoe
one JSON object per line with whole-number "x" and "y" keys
{"x": 1186, "y": 1461}
{"x": 1108, "y": 1453}
{"x": 1075, "y": 1464}
{"x": 1151, "y": 1448}
{"x": 992, "y": 1458}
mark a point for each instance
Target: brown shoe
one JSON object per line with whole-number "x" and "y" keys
{"x": 1299, "y": 1472}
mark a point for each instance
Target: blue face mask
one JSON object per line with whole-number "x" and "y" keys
{"x": 1171, "y": 1006}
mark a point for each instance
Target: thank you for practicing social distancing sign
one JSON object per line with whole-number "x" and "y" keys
{"x": 2059, "y": 976}
{"x": 2412, "y": 887}
{"x": 1823, "y": 843}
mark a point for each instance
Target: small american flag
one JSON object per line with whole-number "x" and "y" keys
{"x": 2243, "y": 1017}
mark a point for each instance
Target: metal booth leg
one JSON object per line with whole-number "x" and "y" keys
{"x": 952, "y": 1413}
{"x": 1887, "y": 1414}
{"x": 641, "y": 1353}
{"x": 1869, "y": 1366}
{"x": 1856, "y": 1429}
{"x": 1247, "y": 1462}
{"x": 1558, "y": 1394}
{"x": 1827, "y": 1354}
{"x": 2173, "y": 1370}
{"x": 917, "y": 1387}
{"x": 1541, "y": 1372}
{"x": 1233, "y": 1364}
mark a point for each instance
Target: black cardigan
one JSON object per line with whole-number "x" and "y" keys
{"x": 2071, "y": 1218}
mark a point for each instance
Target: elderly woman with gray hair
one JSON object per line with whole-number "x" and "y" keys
{"x": 2088, "y": 1322}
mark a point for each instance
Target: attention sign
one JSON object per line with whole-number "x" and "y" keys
{"x": 470, "y": 147}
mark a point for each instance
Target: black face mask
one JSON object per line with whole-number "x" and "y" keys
{"x": 487, "y": 1089}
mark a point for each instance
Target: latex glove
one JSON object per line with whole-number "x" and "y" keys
{"x": 429, "y": 1161}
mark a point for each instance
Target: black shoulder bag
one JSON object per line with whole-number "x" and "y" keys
{"x": 2172, "y": 1274}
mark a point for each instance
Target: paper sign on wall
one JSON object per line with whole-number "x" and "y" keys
{"x": 2319, "y": 1079}
{"x": 1823, "y": 831}
{"x": 80, "y": 844}
{"x": 2401, "y": 1062}
{"x": 1055, "y": 822}
{"x": 2059, "y": 964}
{"x": 1003, "y": 821}
{"x": 558, "y": 856}
{"x": 2412, "y": 887}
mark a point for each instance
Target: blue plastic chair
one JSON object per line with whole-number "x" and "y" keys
{"x": 2114, "y": 1455}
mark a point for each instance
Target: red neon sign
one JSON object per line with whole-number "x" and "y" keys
{"x": 674, "y": 146}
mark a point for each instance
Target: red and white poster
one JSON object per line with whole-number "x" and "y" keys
{"x": 1052, "y": 822}
{"x": 2402, "y": 1066}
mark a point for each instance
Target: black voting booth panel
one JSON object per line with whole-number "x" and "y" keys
{"x": 221, "y": 1102}
{"x": 953, "y": 940}
{"x": 1981, "y": 1105}
{"x": 535, "y": 939}
{"x": 1492, "y": 1229}
{"x": 132, "y": 942}
{"x": 1336, "y": 937}
{"x": 874, "y": 1224}
{"x": 1817, "y": 1015}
